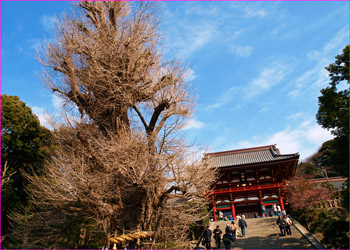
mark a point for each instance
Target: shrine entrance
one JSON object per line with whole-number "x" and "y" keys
{"x": 251, "y": 179}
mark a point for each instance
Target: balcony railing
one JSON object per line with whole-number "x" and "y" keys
{"x": 247, "y": 187}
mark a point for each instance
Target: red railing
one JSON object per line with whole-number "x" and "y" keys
{"x": 247, "y": 188}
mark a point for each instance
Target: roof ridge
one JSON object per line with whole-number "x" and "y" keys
{"x": 243, "y": 150}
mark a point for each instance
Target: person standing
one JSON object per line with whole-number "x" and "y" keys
{"x": 274, "y": 207}
{"x": 233, "y": 231}
{"x": 263, "y": 209}
{"x": 207, "y": 238}
{"x": 227, "y": 240}
{"x": 221, "y": 215}
{"x": 288, "y": 223}
{"x": 282, "y": 224}
{"x": 279, "y": 210}
{"x": 243, "y": 225}
{"x": 217, "y": 236}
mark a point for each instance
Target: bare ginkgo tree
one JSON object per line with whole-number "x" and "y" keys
{"x": 122, "y": 165}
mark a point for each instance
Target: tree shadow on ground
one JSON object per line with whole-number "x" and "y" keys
{"x": 272, "y": 241}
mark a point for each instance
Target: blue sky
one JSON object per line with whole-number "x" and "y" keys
{"x": 257, "y": 67}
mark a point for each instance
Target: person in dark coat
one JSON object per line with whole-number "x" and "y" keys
{"x": 243, "y": 225}
{"x": 207, "y": 238}
{"x": 282, "y": 224}
{"x": 227, "y": 240}
{"x": 217, "y": 236}
{"x": 233, "y": 231}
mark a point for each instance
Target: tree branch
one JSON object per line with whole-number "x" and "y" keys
{"x": 140, "y": 116}
{"x": 157, "y": 111}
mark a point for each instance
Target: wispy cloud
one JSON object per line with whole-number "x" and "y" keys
{"x": 264, "y": 108}
{"x": 193, "y": 124}
{"x": 190, "y": 38}
{"x": 317, "y": 76}
{"x": 306, "y": 138}
{"x": 48, "y": 22}
{"x": 57, "y": 102}
{"x": 338, "y": 41}
{"x": 255, "y": 11}
{"x": 225, "y": 98}
{"x": 190, "y": 75}
{"x": 241, "y": 51}
{"x": 41, "y": 113}
{"x": 35, "y": 43}
{"x": 197, "y": 9}
{"x": 295, "y": 116}
{"x": 268, "y": 77}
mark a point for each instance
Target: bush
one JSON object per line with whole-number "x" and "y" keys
{"x": 336, "y": 235}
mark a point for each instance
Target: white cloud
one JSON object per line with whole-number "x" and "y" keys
{"x": 255, "y": 11}
{"x": 241, "y": 51}
{"x": 268, "y": 77}
{"x": 35, "y": 43}
{"x": 225, "y": 98}
{"x": 197, "y": 9}
{"x": 191, "y": 38}
{"x": 331, "y": 47}
{"x": 317, "y": 134}
{"x": 193, "y": 124}
{"x": 41, "y": 114}
{"x": 295, "y": 116}
{"x": 306, "y": 138}
{"x": 48, "y": 22}
{"x": 57, "y": 102}
{"x": 294, "y": 93}
{"x": 237, "y": 33}
{"x": 190, "y": 75}
{"x": 317, "y": 76}
{"x": 264, "y": 108}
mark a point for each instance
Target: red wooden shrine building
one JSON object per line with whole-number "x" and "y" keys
{"x": 250, "y": 178}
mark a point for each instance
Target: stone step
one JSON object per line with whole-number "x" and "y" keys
{"x": 264, "y": 233}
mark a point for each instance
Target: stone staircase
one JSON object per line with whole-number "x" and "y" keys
{"x": 263, "y": 233}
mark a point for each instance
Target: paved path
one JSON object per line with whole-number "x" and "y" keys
{"x": 263, "y": 233}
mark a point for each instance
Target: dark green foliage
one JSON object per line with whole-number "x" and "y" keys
{"x": 323, "y": 219}
{"x": 333, "y": 114}
{"x": 60, "y": 231}
{"x": 24, "y": 146}
{"x": 198, "y": 228}
{"x": 324, "y": 163}
{"x": 333, "y": 110}
{"x": 333, "y": 224}
{"x": 345, "y": 196}
{"x": 339, "y": 156}
{"x": 336, "y": 235}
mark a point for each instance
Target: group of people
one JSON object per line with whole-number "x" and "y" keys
{"x": 231, "y": 231}
{"x": 284, "y": 224}
{"x": 276, "y": 211}
{"x": 220, "y": 216}
{"x": 229, "y": 236}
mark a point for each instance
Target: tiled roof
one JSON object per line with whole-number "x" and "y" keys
{"x": 249, "y": 156}
{"x": 337, "y": 182}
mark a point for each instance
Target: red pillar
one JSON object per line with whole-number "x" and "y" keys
{"x": 233, "y": 211}
{"x": 281, "y": 203}
{"x": 215, "y": 219}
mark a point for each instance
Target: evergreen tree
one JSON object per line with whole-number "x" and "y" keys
{"x": 24, "y": 146}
